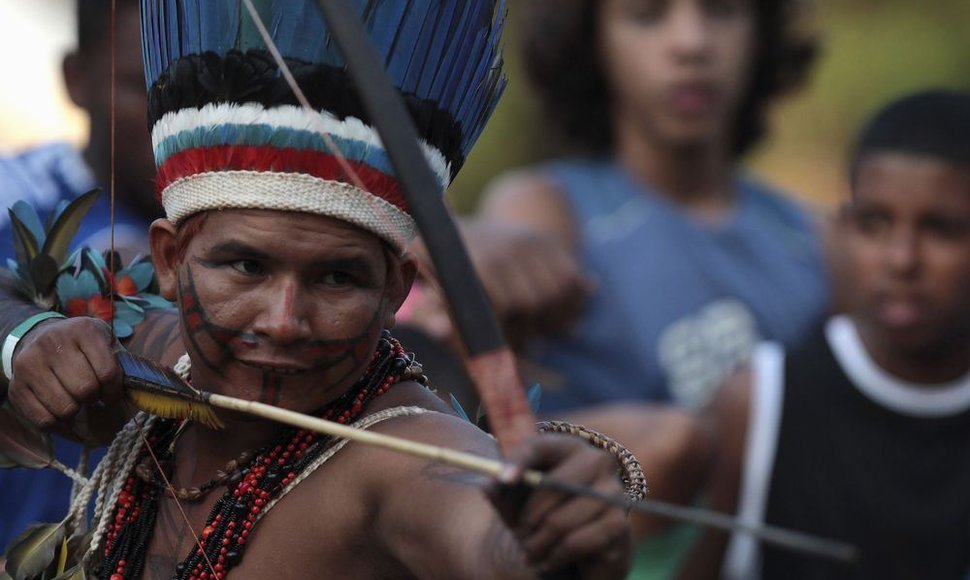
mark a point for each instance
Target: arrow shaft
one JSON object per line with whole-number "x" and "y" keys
{"x": 773, "y": 535}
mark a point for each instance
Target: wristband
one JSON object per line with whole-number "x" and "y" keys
{"x": 10, "y": 343}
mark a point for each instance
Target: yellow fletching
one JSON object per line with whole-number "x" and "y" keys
{"x": 62, "y": 559}
{"x": 173, "y": 408}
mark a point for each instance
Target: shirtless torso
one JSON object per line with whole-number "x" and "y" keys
{"x": 364, "y": 513}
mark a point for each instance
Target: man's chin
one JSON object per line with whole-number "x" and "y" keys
{"x": 690, "y": 137}
{"x": 915, "y": 339}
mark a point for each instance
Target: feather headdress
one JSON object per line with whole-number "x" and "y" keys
{"x": 228, "y": 132}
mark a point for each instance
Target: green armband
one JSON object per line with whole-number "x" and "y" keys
{"x": 10, "y": 343}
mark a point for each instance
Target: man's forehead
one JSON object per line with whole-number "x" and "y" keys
{"x": 257, "y": 219}
{"x": 892, "y": 170}
{"x": 283, "y": 228}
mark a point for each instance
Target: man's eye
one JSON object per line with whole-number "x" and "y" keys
{"x": 871, "y": 223}
{"x": 336, "y": 279}
{"x": 644, "y": 12}
{"x": 248, "y": 267}
{"x": 723, "y": 8}
{"x": 950, "y": 229}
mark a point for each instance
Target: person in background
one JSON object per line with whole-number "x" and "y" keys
{"x": 637, "y": 275}
{"x": 861, "y": 433}
{"x": 46, "y": 175}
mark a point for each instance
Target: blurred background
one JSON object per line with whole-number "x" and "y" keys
{"x": 872, "y": 50}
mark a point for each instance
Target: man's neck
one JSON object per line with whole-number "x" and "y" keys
{"x": 202, "y": 451}
{"x": 699, "y": 178}
{"x": 945, "y": 362}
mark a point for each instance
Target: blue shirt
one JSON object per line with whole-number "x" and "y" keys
{"x": 679, "y": 303}
{"x": 43, "y": 177}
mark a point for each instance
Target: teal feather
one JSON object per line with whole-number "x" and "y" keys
{"x": 458, "y": 408}
{"x": 28, "y": 216}
{"x": 534, "y": 396}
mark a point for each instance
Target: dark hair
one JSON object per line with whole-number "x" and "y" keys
{"x": 935, "y": 123}
{"x": 559, "y": 41}
{"x": 94, "y": 22}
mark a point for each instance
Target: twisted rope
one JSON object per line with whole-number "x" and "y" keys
{"x": 631, "y": 473}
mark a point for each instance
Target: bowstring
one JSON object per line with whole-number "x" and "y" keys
{"x": 111, "y": 265}
{"x": 171, "y": 487}
{"x": 111, "y": 171}
{"x": 345, "y": 165}
{"x": 341, "y": 159}
{"x": 425, "y": 269}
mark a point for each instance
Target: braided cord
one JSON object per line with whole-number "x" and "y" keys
{"x": 634, "y": 480}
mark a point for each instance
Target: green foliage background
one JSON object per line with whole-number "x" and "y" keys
{"x": 873, "y": 51}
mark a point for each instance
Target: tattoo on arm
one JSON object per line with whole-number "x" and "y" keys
{"x": 505, "y": 553}
{"x": 504, "y": 556}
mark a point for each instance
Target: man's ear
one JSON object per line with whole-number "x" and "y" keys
{"x": 71, "y": 68}
{"x": 401, "y": 273}
{"x": 162, "y": 237}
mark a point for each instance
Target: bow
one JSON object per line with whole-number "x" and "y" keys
{"x": 491, "y": 363}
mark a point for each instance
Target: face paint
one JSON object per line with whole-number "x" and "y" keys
{"x": 281, "y": 322}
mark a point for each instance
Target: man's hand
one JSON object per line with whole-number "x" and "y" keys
{"x": 534, "y": 282}
{"x": 558, "y": 531}
{"x": 61, "y": 366}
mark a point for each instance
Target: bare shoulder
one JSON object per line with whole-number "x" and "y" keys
{"x": 438, "y": 424}
{"x": 530, "y": 197}
{"x": 158, "y": 337}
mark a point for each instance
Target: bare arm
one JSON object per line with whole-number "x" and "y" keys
{"x": 63, "y": 366}
{"x": 431, "y": 509}
{"x": 728, "y": 415}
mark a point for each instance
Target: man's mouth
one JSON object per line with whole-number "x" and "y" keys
{"x": 901, "y": 311}
{"x": 280, "y": 368}
{"x": 693, "y": 98}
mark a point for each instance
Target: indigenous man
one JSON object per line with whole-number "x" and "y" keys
{"x": 287, "y": 274}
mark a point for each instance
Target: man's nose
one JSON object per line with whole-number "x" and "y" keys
{"x": 284, "y": 317}
{"x": 903, "y": 253}
{"x": 688, "y": 30}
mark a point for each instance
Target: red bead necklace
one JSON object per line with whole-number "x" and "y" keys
{"x": 270, "y": 472}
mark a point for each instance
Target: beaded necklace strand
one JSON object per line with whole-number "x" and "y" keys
{"x": 248, "y": 490}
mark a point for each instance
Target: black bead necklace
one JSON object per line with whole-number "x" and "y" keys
{"x": 249, "y": 491}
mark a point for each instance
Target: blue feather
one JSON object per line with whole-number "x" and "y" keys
{"x": 458, "y": 408}
{"x": 28, "y": 217}
{"x": 534, "y": 396}
{"x": 419, "y": 54}
{"x": 444, "y": 51}
{"x": 439, "y": 45}
{"x": 403, "y": 40}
